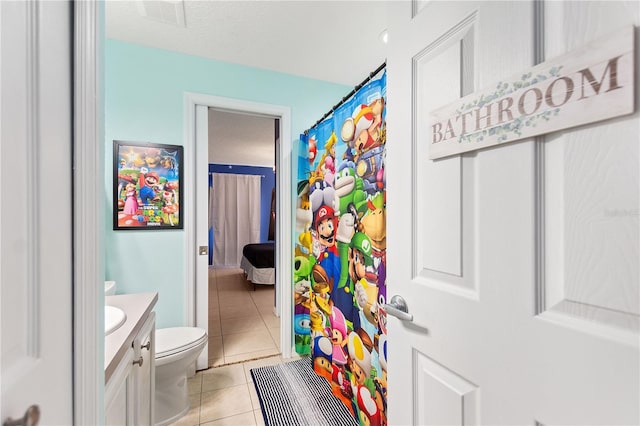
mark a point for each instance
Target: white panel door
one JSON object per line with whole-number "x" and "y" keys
{"x": 201, "y": 184}
{"x": 519, "y": 263}
{"x": 36, "y": 210}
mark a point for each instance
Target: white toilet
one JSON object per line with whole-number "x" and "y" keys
{"x": 176, "y": 351}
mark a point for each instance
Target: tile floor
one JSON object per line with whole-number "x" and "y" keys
{"x": 225, "y": 396}
{"x": 244, "y": 333}
{"x": 242, "y": 324}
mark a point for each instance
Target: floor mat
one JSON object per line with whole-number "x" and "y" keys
{"x": 293, "y": 394}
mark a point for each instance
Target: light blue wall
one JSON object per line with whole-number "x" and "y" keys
{"x": 144, "y": 90}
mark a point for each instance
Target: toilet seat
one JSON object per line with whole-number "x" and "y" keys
{"x": 170, "y": 341}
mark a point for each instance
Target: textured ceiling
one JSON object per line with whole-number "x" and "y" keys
{"x": 330, "y": 40}
{"x": 241, "y": 139}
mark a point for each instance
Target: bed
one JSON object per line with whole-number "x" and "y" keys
{"x": 258, "y": 263}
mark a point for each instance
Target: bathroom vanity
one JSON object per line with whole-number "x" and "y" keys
{"x": 129, "y": 362}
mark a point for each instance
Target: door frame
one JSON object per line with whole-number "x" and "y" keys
{"x": 88, "y": 208}
{"x": 197, "y": 294}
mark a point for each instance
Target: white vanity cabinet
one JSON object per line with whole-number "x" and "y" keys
{"x": 118, "y": 395}
{"x": 130, "y": 363}
{"x": 145, "y": 372}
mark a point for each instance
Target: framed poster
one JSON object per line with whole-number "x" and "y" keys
{"x": 147, "y": 186}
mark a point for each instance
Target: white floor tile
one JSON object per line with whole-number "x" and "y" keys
{"x": 236, "y": 311}
{"x": 235, "y": 344}
{"x": 250, "y": 356}
{"x": 244, "y": 419}
{"x": 223, "y": 377}
{"x": 259, "y": 417}
{"x": 225, "y": 402}
{"x": 243, "y": 325}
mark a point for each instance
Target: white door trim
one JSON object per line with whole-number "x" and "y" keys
{"x": 196, "y": 294}
{"x": 88, "y": 226}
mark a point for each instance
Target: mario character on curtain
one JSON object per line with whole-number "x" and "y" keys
{"x": 340, "y": 253}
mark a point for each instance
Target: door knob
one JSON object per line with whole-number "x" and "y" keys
{"x": 398, "y": 308}
{"x": 31, "y": 418}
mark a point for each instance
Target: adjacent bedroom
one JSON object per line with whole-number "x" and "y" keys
{"x": 242, "y": 210}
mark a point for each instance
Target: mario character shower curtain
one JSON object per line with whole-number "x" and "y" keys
{"x": 340, "y": 253}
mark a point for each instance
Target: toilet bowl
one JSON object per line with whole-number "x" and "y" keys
{"x": 176, "y": 351}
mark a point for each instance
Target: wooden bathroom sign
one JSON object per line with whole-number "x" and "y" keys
{"x": 589, "y": 84}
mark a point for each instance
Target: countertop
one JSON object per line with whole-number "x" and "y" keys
{"x": 137, "y": 307}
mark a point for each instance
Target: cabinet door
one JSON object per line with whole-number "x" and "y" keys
{"x": 144, "y": 372}
{"x": 119, "y": 392}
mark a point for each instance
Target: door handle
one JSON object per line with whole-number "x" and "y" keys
{"x": 31, "y": 418}
{"x": 398, "y": 308}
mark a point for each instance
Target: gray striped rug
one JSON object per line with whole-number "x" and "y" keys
{"x": 292, "y": 394}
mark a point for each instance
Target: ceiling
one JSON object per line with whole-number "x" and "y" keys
{"x": 241, "y": 139}
{"x": 330, "y": 40}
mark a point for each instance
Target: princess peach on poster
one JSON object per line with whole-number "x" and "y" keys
{"x": 131, "y": 200}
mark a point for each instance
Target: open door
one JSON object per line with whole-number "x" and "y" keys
{"x": 36, "y": 217}
{"x": 201, "y": 184}
{"x": 522, "y": 287}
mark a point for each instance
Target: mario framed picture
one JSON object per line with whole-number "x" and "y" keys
{"x": 147, "y": 186}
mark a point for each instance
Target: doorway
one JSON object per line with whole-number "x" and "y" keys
{"x": 243, "y": 323}
{"x": 196, "y": 267}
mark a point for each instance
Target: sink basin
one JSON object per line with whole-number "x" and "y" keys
{"x": 113, "y": 319}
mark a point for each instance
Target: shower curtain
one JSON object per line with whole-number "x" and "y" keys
{"x": 235, "y": 216}
{"x": 340, "y": 252}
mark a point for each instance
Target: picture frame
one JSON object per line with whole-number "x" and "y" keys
{"x": 147, "y": 186}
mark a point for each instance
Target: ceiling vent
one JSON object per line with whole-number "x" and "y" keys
{"x": 165, "y": 11}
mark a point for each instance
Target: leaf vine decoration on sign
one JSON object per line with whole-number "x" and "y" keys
{"x": 516, "y": 125}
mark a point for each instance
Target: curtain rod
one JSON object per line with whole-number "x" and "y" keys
{"x": 349, "y": 95}
{"x": 210, "y": 173}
